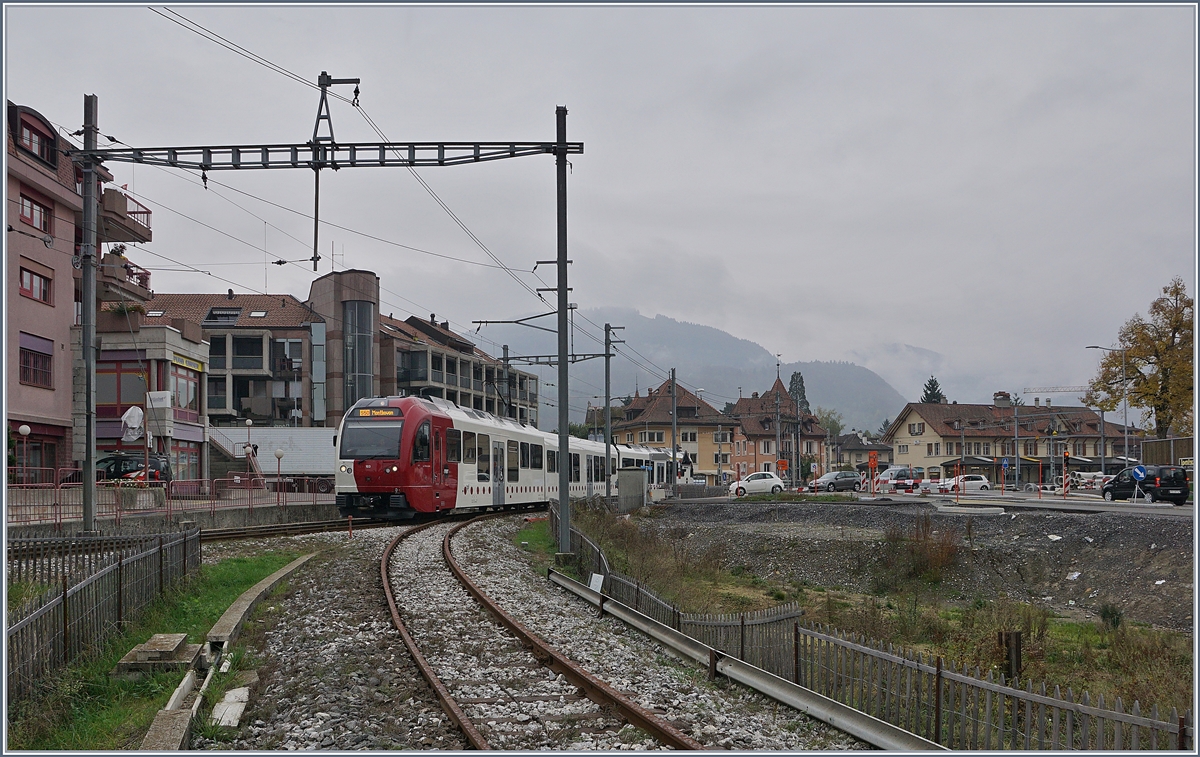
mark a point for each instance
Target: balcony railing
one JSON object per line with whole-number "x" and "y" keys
{"x": 436, "y": 377}
{"x": 250, "y": 362}
{"x": 404, "y": 375}
{"x": 138, "y": 212}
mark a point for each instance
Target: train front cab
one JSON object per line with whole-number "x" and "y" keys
{"x": 393, "y": 460}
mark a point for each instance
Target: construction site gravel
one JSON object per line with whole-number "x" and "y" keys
{"x": 1070, "y": 562}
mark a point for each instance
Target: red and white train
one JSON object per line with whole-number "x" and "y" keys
{"x": 399, "y": 456}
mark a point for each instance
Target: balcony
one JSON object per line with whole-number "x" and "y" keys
{"x": 405, "y": 375}
{"x": 123, "y": 219}
{"x": 118, "y": 280}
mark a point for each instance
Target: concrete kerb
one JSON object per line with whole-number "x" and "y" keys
{"x": 172, "y": 726}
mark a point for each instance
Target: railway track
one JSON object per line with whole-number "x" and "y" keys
{"x": 500, "y": 684}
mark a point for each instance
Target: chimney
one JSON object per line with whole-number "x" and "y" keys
{"x": 230, "y": 295}
{"x": 1047, "y": 402}
{"x": 1037, "y": 401}
{"x": 446, "y": 325}
{"x": 1002, "y": 399}
{"x": 754, "y": 395}
{"x": 432, "y": 319}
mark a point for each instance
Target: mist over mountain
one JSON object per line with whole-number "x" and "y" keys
{"x": 704, "y": 358}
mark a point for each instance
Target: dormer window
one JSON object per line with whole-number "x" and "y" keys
{"x": 37, "y": 140}
{"x": 222, "y": 315}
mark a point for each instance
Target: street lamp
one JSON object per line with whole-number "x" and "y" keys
{"x": 24, "y": 430}
{"x": 278, "y": 473}
{"x": 249, "y": 447}
{"x": 1124, "y": 396}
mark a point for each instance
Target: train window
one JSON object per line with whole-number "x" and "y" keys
{"x": 453, "y": 445}
{"x": 626, "y": 462}
{"x": 468, "y": 455}
{"x": 551, "y": 461}
{"x": 535, "y": 456}
{"x": 524, "y": 454}
{"x": 485, "y": 457}
{"x": 421, "y": 443}
{"x": 590, "y": 466}
{"x": 374, "y": 440}
{"x": 574, "y": 466}
{"x": 514, "y": 461}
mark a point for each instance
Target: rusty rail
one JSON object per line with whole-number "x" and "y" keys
{"x": 595, "y": 689}
{"x": 450, "y": 706}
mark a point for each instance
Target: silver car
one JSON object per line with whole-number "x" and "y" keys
{"x": 757, "y": 483}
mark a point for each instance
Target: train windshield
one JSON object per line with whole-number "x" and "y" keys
{"x": 378, "y": 440}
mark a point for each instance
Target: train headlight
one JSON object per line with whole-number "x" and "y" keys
{"x": 393, "y": 469}
{"x": 345, "y": 469}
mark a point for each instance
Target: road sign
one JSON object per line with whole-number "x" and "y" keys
{"x": 1004, "y": 463}
{"x": 1139, "y": 473}
{"x": 781, "y": 465}
{"x": 812, "y": 467}
{"x": 873, "y": 458}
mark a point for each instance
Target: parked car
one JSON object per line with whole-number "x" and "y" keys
{"x": 133, "y": 467}
{"x": 970, "y": 482}
{"x": 756, "y": 483}
{"x": 1163, "y": 483}
{"x": 838, "y": 480}
{"x": 901, "y": 477}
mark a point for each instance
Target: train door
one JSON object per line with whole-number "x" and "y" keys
{"x": 451, "y": 457}
{"x": 498, "y": 472}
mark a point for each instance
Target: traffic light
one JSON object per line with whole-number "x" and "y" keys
{"x": 1066, "y": 457}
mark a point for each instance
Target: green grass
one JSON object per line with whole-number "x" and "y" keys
{"x": 84, "y": 709}
{"x": 20, "y": 592}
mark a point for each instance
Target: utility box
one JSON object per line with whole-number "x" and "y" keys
{"x": 632, "y": 484}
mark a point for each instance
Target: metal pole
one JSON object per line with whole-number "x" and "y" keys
{"x": 607, "y": 413}
{"x": 1125, "y": 402}
{"x": 508, "y": 411}
{"x": 564, "y": 420}
{"x": 1016, "y": 449}
{"x": 1102, "y": 446}
{"x": 720, "y": 439}
{"x": 88, "y": 326}
{"x": 674, "y": 445}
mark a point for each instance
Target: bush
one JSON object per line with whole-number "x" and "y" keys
{"x": 1110, "y": 615}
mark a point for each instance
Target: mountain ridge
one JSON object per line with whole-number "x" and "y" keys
{"x": 705, "y": 358}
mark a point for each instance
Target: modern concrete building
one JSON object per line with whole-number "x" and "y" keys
{"x": 265, "y": 355}
{"x": 425, "y": 358}
{"x": 348, "y": 303}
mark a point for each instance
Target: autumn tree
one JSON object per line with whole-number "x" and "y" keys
{"x": 796, "y": 389}
{"x": 830, "y": 420}
{"x": 1158, "y": 364}
{"x": 933, "y": 392}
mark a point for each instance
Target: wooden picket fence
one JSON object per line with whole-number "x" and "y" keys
{"x": 90, "y": 595}
{"x": 948, "y": 704}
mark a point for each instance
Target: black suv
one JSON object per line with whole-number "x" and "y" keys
{"x": 1163, "y": 483}
{"x": 122, "y": 465}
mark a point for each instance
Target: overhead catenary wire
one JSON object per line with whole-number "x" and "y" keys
{"x": 199, "y": 29}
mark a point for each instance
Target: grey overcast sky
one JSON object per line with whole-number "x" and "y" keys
{"x": 975, "y": 192}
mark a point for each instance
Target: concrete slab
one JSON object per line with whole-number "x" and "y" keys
{"x": 182, "y": 691}
{"x": 160, "y": 646}
{"x": 969, "y": 510}
{"x": 229, "y": 710}
{"x": 133, "y": 664}
{"x": 169, "y": 732}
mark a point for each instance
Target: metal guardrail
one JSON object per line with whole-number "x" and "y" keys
{"x": 860, "y": 725}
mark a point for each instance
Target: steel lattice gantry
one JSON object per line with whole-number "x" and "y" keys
{"x": 329, "y": 155}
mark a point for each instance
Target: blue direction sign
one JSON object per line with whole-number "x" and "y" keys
{"x": 1004, "y": 463}
{"x": 1139, "y": 472}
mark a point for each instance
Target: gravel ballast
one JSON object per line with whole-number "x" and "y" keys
{"x": 720, "y": 714}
